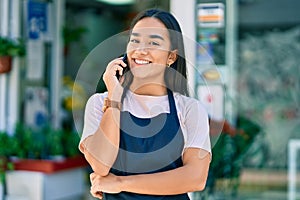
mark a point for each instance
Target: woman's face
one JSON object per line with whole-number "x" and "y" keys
{"x": 149, "y": 48}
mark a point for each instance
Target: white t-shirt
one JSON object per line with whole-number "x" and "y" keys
{"x": 191, "y": 113}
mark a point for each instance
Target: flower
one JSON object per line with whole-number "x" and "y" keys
{"x": 73, "y": 95}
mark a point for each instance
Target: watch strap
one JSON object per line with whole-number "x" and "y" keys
{"x": 110, "y": 103}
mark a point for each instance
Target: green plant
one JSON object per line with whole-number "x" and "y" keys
{"x": 54, "y": 142}
{"x": 11, "y": 47}
{"x": 73, "y": 34}
{"x": 230, "y": 150}
{"x": 5, "y": 164}
{"x": 71, "y": 141}
{"x": 61, "y": 142}
{"x": 24, "y": 143}
{"x": 27, "y": 143}
{"x": 43, "y": 143}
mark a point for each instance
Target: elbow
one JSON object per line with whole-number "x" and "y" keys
{"x": 97, "y": 166}
{"x": 198, "y": 186}
{"x": 201, "y": 186}
{"x": 198, "y": 182}
{"x": 199, "y": 179}
{"x": 103, "y": 171}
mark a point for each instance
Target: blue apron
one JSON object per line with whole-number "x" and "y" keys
{"x": 148, "y": 145}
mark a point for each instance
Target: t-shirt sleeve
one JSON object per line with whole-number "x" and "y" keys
{"x": 196, "y": 127}
{"x": 92, "y": 115}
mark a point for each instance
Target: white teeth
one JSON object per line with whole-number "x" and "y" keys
{"x": 141, "y": 62}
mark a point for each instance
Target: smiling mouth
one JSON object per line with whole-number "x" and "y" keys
{"x": 141, "y": 61}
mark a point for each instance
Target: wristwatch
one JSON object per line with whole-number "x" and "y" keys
{"x": 109, "y": 103}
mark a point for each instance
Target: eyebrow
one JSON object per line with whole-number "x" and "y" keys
{"x": 156, "y": 37}
{"x": 150, "y": 36}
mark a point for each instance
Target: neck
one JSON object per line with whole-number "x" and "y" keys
{"x": 152, "y": 89}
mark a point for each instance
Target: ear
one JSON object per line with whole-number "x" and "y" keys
{"x": 172, "y": 57}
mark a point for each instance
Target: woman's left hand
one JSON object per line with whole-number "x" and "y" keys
{"x": 107, "y": 184}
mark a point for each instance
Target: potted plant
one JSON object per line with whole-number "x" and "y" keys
{"x": 44, "y": 150}
{"x": 9, "y": 48}
{"x": 31, "y": 151}
{"x": 5, "y": 164}
{"x": 229, "y": 152}
{"x": 71, "y": 35}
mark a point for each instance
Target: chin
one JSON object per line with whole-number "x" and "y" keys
{"x": 140, "y": 74}
{"x": 147, "y": 72}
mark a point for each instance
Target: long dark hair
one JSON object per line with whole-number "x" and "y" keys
{"x": 176, "y": 74}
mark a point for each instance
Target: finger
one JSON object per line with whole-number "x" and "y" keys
{"x": 97, "y": 194}
{"x": 120, "y": 70}
{"x": 93, "y": 191}
{"x": 117, "y": 61}
{"x": 124, "y": 64}
{"x": 92, "y": 176}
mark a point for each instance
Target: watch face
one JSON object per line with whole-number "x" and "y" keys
{"x": 109, "y": 103}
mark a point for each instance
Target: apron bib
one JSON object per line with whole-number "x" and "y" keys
{"x": 148, "y": 145}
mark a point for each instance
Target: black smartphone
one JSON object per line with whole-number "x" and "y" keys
{"x": 125, "y": 69}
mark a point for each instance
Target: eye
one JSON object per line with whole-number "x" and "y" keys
{"x": 154, "y": 43}
{"x": 134, "y": 41}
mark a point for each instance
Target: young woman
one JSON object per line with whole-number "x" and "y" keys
{"x": 145, "y": 138}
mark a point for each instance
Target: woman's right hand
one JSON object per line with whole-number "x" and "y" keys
{"x": 110, "y": 79}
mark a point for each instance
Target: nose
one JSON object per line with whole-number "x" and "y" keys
{"x": 141, "y": 49}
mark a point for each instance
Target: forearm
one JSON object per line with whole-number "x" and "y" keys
{"x": 101, "y": 148}
{"x": 180, "y": 180}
